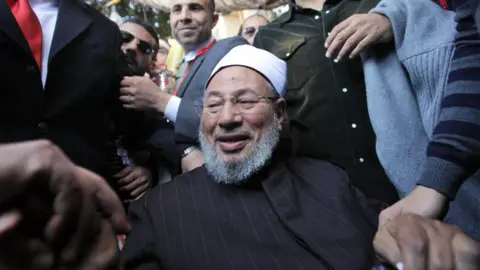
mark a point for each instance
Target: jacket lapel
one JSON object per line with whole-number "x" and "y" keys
{"x": 9, "y": 26}
{"x": 191, "y": 73}
{"x": 72, "y": 20}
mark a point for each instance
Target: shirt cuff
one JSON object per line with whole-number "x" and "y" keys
{"x": 171, "y": 110}
{"x": 442, "y": 176}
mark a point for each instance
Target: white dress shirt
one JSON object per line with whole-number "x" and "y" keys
{"x": 173, "y": 104}
{"x": 47, "y": 13}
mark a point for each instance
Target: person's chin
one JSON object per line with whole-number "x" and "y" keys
{"x": 233, "y": 155}
{"x": 189, "y": 39}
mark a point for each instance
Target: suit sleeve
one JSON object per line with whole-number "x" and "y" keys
{"x": 453, "y": 154}
{"x": 140, "y": 252}
{"x": 188, "y": 120}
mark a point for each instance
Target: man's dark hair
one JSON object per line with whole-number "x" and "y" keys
{"x": 240, "y": 31}
{"x": 148, "y": 28}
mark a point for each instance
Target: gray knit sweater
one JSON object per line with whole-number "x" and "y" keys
{"x": 405, "y": 89}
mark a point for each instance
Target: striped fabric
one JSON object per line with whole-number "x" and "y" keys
{"x": 301, "y": 215}
{"x": 454, "y": 151}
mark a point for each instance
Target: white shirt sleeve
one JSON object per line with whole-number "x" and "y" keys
{"x": 171, "y": 110}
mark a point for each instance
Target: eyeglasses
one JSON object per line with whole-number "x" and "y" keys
{"x": 143, "y": 46}
{"x": 245, "y": 105}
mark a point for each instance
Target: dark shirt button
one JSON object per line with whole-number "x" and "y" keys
{"x": 43, "y": 126}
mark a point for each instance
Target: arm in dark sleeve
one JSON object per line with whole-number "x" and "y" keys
{"x": 139, "y": 252}
{"x": 134, "y": 127}
{"x": 165, "y": 148}
{"x": 454, "y": 151}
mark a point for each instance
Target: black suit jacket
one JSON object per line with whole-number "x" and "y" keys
{"x": 82, "y": 89}
{"x": 299, "y": 214}
{"x": 172, "y": 139}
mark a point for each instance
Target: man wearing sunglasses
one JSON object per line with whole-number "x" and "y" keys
{"x": 191, "y": 22}
{"x": 140, "y": 44}
{"x": 61, "y": 72}
{"x": 250, "y": 26}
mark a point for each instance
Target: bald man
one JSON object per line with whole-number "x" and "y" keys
{"x": 250, "y": 26}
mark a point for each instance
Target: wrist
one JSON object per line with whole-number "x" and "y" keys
{"x": 162, "y": 102}
{"x": 188, "y": 151}
{"x": 430, "y": 193}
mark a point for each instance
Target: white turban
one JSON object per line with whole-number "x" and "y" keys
{"x": 265, "y": 63}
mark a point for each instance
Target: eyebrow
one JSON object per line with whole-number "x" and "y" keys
{"x": 238, "y": 92}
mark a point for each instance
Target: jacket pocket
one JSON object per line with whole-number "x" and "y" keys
{"x": 293, "y": 49}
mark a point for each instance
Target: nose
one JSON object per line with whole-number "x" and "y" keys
{"x": 130, "y": 46}
{"x": 186, "y": 15}
{"x": 229, "y": 117}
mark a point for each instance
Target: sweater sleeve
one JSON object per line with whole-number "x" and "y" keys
{"x": 453, "y": 154}
{"x": 395, "y": 11}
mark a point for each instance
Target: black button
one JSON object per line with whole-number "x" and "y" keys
{"x": 32, "y": 69}
{"x": 43, "y": 126}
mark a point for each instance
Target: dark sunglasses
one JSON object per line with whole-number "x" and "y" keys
{"x": 143, "y": 46}
{"x": 249, "y": 31}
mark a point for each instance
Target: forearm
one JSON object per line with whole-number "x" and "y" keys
{"x": 454, "y": 152}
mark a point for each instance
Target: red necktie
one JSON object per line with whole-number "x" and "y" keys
{"x": 30, "y": 25}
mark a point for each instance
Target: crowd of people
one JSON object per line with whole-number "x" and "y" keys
{"x": 341, "y": 135}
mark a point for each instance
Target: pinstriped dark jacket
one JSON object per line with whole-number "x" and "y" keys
{"x": 297, "y": 214}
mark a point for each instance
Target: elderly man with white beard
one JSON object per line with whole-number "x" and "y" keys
{"x": 253, "y": 205}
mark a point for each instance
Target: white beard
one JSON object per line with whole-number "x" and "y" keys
{"x": 239, "y": 171}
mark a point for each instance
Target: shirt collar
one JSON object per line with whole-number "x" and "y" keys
{"x": 44, "y": 2}
{"x": 190, "y": 55}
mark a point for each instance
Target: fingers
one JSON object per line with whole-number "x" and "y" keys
{"x": 362, "y": 46}
{"x": 440, "y": 253}
{"x": 20, "y": 248}
{"x": 137, "y": 193}
{"x": 390, "y": 213}
{"x": 351, "y": 43}
{"x": 335, "y": 31}
{"x": 21, "y": 162}
{"x": 385, "y": 244}
{"x": 413, "y": 243}
{"x": 129, "y": 178}
{"x": 136, "y": 183}
{"x": 466, "y": 252}
{"x": 137, "y": 187}
{"x": 127, "y": 91}
{"x": 339, "y": 41}
{"x": 129, "y": 81}
{"x": 106, "y": 200}
{"x": 126, "y": 171}
{"x": 65, "y": 216}
{"x": 8, "y": 221}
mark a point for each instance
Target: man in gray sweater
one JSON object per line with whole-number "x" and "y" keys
{"x": 423, "y": 105}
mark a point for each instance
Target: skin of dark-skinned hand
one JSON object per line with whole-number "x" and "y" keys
{"x": 417, "y": 242}
{"x": 53, "y": 213}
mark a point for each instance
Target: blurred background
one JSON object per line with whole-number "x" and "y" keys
{"x": 155, "y": 12}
